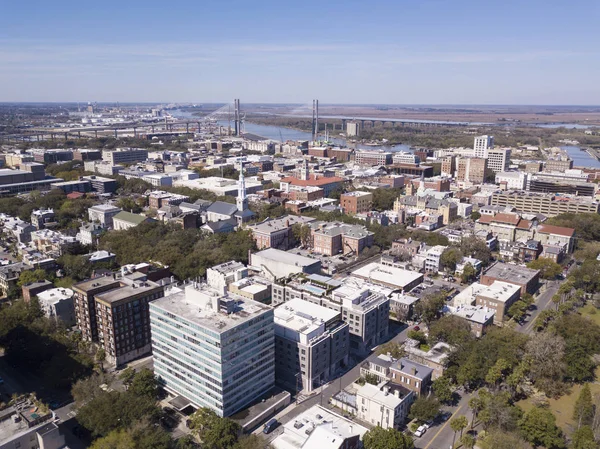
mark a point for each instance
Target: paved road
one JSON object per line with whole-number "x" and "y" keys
{"x": 441, "y": 435}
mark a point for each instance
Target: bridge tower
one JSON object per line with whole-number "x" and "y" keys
{"x": 237, "y": 117}
{"x": 315, "y": 120}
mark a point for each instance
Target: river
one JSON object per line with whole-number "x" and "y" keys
{"x": 581, "y": 158}
{"x": 278, "y": 133}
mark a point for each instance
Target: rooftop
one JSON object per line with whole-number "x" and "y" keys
{"x": 105, "y": 208}
{"x": 477, "y": 314}
{"x": 125, "y": 291}
{"x": 558, "y": 230}
{"x": 202, "y": 305}
{"x": 511, "y": 273}
{"x": 317, "y": 428}
{"x": 379, "y": 273}
{"x": 55, "y": 295}
{"x": 383, "y": 394}
{"x": 93, "y": 284}
{"x": 303, "y": 317}
{"x": 286, "y": 257}
{"x": 277, "y": 224}
{"x": 500, "y": 291}
{"x": 414, "y": 369}
{"x": 228, "y": 267}
{"x": 129, "y": 217}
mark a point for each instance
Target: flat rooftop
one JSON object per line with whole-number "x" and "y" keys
{"x": 511, "y": 273}
{"x": 477, "y": 314}
{"x": 319, "y": 428}
{"x": 286, "y": 257}
{"x": 193, "y": 304}
{"x": 303, "y": 316}
{"x": 228, "y": 267}
{"x": 126, "y": 291}
{"x": 500, "y": 291}
{"x": 92, "y": 284}
{"x": 378, "y": 273}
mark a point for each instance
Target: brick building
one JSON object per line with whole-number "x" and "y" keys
{"x": 356, "y": 202}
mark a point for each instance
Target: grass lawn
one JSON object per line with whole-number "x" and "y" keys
{"x": 563, "y": 407}
{"x": 591, "y": 312}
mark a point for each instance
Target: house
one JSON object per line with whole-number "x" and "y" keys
{"x": 411, "y": 375}
{"x": 434, "y": 358}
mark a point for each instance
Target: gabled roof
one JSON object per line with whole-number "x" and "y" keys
{"x": 558, "y": 230}
{"x": 131, "y": 218}
{"x": 222, "y": 208}
{"x": 244, "y": 213}
{"x": 221, "y": 226}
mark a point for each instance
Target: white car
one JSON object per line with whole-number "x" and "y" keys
{"x": 420, "y": 431}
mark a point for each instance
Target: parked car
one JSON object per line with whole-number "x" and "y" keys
{"x": 416, "y": 328}
{"x": 420, "y": 431}
{"x": 270, "y": 425}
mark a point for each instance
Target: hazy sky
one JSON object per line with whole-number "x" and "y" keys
{"x": 395, "y": 51}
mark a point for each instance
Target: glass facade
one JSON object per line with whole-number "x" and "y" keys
{"x": 224, "y": 371}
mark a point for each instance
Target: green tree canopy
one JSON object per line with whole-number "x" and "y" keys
{"x": 539, "y": 427}
{"x": 548, "y": 268}
{"x": 424, "y": 409}
{"x": 583, "y": 411}
{"x": 379, "y": 438}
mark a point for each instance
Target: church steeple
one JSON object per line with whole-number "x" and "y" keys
{"x": 241, "y": 201}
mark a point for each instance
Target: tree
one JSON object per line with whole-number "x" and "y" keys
{"x": 450, "y": 329}
{"x": 468, "y": 441}
{"x": 468, "y": 273}
{"x": 302, "y": 233}
{"x": 475, "y": 404}
{"x": 252, "y": 441}
{"x": 475, "y": 215}
{"x": 424, "y": 409}
{"x": 548, "y": 268}
{"x": 30, "y": 276}
{"x": 418, "y": 336}
{"x": 546, "y": 352}
{"x": 144, "y": 384}
{"x": 583, "y": 411}
{"x": 539, "y": 427}
{"x": 379, "y": 438}
{"x": 392, "y": 348}
{"x": 497, "y": 372}
{"x": 428, "y": 308}
{"x": 583, "y": 438}
{"x": 475, "y": 247}
{"x": 117, "y": 439}
{"x": 214, "y": 432}
{"x": 127, "y": 376}
{"x": 458, "y": 424}
{"x": 188, "y": 442}
{"x": 442, "y": 388}
{"x": 518, "y": 310}
{"x": 86, "y": 389}
{"x": 450, "y": 258}
{"x": 77, "y": 267}
{"x": 499, "y": 439}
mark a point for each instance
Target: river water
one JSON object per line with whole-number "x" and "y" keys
{"x": 581, "y": 158}
{"x": 280, "y": 133}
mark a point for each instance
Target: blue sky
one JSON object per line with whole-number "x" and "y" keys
{"x": 395, "y": 52}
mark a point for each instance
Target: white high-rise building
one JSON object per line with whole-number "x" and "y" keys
{"x": 482, "y": 145}
{"x": 498, "y": 159}
{"x": 216, "y": 350}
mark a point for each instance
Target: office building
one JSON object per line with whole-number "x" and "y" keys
{"x": 124, "y": 156}
{"x": 311, "y": 344}
{"x": 67, "y": 187}
{"x": 482, "y": 145}
{"x": 471, "y": 170}
{"x": 353, "y": 129}
{"x": 558, "y": 165}
{"x": 29, "y": 177}
{"x": 498, "y": 159}
{"x": 448, "y": 166}
{"x": 372, "y": 158}
{"x": 101, "y": 185}
{"x": 356, "y": 202}
{"x": 404, "y": 157}
{"x": 512, "y": 180}
{"x": 214, "y": 350}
